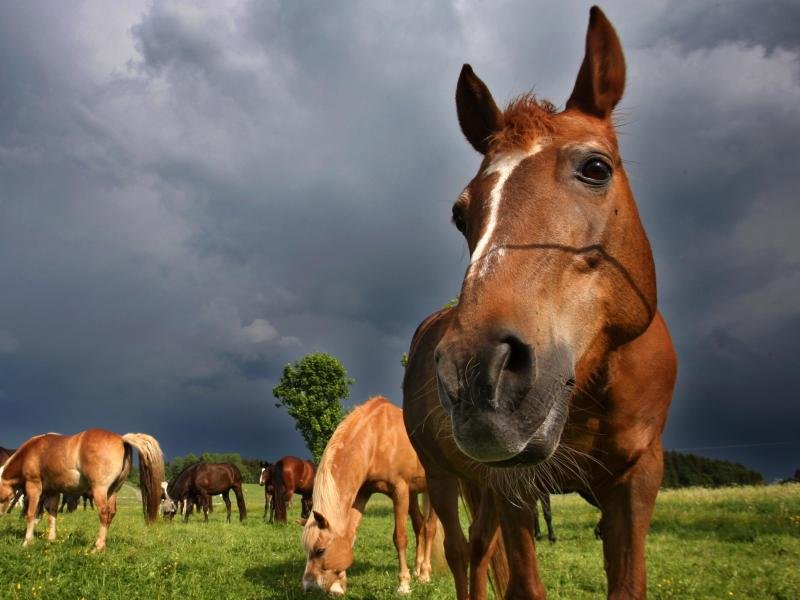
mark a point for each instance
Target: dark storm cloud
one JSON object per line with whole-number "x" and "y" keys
{"x": 193, "y": 194}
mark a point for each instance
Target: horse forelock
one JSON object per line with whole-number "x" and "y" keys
{"x": 525, "y": 119}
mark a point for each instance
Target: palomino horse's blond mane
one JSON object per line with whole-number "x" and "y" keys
{"x": 327, "y": 498}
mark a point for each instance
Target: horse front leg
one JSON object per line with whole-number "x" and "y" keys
{"x": 548, "y": 517}
{"x": 33, "y": 492}
{"x": 516, "y": 524}
{"x": 627, "y": 505}
{"x": 400, "y": 500}
{"x": 483, "y": 537}
{"x": 443, "y": 491}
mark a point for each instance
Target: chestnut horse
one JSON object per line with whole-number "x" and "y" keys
{"x": 199, "y": 481}
{"x": 291, "y": 475}
{"x": 555, "y": 370}
{"x": 369, "y": 452}
{"x": 94, "y": 460}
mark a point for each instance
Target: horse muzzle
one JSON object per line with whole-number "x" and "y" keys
{"x": 507, "y": 402}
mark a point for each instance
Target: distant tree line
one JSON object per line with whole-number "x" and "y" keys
{"x": 686, "y": 470}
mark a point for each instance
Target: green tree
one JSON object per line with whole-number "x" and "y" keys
{"x": 312, "y": 390}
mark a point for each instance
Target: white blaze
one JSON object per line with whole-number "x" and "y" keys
{"x": 503, "y": 165}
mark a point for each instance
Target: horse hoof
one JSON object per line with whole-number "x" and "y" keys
{"x": 26, "y": 543}
{"x": 424, "y": 577}
{"x": 98, "y": 549}
{"x": 404, "y": 588}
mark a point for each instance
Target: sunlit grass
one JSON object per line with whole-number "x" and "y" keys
{"x": 728, "y": 543}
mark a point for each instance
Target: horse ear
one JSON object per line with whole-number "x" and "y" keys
{"x": 322, "y": 522}
{"x": 478, "y": 115}
{"x": 601, "y": 79}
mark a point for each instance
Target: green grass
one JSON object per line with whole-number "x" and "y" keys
{"x": 728, "y": 543}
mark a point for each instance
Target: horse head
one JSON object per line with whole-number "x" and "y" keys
{"x": 328, "y": 556}
{"x": 561, "y": 269}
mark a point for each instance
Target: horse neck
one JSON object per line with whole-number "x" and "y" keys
{"x": 11, "y": 469}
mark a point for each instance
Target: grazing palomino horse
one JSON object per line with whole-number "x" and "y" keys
{"x": 265, "y": 479}
{"x": 292, "y": 475}
{"x": 94, "y": 460}
{"x": 369, "y": 452}
{"x": 554, "y": 370}
{"x": 200, "y": 481}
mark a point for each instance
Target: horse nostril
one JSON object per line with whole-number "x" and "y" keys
{"x": 519, "y": 356}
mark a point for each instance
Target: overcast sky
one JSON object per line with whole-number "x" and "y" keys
{"x": 193, "y": 194}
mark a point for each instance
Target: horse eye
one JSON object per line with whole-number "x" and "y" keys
{"x": 595, "y": 172}
{"x": 319, "y": 551}
{"x": 458, "y": 219}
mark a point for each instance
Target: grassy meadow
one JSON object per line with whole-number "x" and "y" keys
{"x": 726, "y": 543}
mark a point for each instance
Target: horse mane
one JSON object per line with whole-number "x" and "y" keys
{"x": 173, "y": 484}
{"x": 326, "y": 498}
{"x": 524, "y": 119}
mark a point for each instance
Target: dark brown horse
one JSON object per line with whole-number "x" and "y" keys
{"x": 292, "y": 475}
{"x": 544, "y": 499}
{"x": 199, "y": 481}
{"x": 265, "y": 479}
{"x": 555, "y": 370}
{"x": 71, "y": 501}
{"x": 96, "y": 460}
{"x": 5, "y": 454}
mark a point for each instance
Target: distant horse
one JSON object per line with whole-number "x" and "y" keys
{"x": 71, "y": 501}
{"x": 292, "y": 475}
{"x": 544, "y": 499}
{"x": 265, "y": 479}
{"x": 369, "y": 452}
{"x": 168, "y": 506}
{"x": 199, "y": 481}
{"x": 96, "y": 460}
{"x": 5, "y": 454}
{"x": 555, "y": 370}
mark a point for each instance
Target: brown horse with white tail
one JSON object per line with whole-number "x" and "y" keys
{"x": 368, "y": 453}
{"x": 95, "y": 460}
{"x": 555, "y": 370}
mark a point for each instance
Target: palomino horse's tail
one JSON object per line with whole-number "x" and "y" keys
{"x": 280, "y": 492}
{"x": 151, "y": 471}
{"x": 500, "y": 573}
